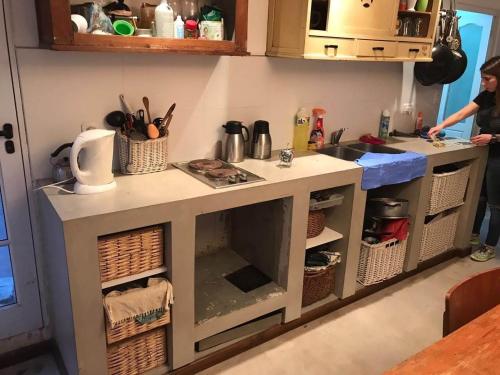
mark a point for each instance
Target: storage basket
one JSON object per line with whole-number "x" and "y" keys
{"x": 129, "y": 253}
{"x": 318, "y": 284}
{"x": 379, "y": 262}
{"x": 138, "y": 157}
{"x": 315, "y": 223}
{"x": 138, "y": 354}
{"x": 448, "y": 190}
{"x": 438, "y": 235}
{"x": 132, "y": 328}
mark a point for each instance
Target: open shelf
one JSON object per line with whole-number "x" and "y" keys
{"x": 127, "y": 279}
{"x": 413, "y": 13}
{"x": 328, "y": 235}
{"x": 215, "y": 297}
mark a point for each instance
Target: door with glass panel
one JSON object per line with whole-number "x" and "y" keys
{"x": 19, "y": 298}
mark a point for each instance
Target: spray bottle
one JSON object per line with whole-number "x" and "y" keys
{"x": 318, "y": 133}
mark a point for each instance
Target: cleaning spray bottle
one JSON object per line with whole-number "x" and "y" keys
{"x": 301, "y": 130}
{"x": 318, "y": 133}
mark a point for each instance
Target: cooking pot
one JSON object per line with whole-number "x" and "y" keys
{"x": 388, "y": 208}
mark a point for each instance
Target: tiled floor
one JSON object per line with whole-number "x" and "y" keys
{"x": 365, "y": 338}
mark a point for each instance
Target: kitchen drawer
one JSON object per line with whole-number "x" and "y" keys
{"x": 328, "y": 47}
{"x": 375, "y": 48}
{"x": 414, "y": 50}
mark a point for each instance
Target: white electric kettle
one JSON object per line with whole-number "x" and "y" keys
{"x": 91, "y": 161}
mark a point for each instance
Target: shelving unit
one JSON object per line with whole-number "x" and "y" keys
{"x": 328, "y": 235}
{"x": 127, "y": 279}
{"x": 56, "y": 32}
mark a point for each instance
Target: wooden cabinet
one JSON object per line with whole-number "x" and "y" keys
{"x": 372, "y": 30}
{"x": 56, "y": 32}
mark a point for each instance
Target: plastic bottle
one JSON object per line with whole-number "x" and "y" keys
{"x": 385, "y": 119}
{"x": 419, "y": 122}
{"x": 318, "y": 133}
{"x": 301, "y": 130}
{"x": 164, "y": 20}
{"x": 179, "y": 28}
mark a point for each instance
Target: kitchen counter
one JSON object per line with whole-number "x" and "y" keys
{"x": 173, "y": 185}
{"x": 191, "y": 212}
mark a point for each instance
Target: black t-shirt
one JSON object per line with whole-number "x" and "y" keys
{"x": 486, "y": 118}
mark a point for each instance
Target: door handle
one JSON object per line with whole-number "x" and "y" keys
{"x": 416, "y": 50}
{"x": 378, "y": 48}
{"x": 7, "y": 131}
{"x": 334, "y": 46}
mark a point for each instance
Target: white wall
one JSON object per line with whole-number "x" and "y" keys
{"x": 62, "y": 90}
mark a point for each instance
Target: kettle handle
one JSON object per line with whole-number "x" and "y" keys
{"x": 246, "y": 131}
{"x": 78, "y": 145}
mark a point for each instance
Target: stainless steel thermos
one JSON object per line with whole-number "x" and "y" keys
{"x": 233, "y": 150}
{"x": 261, "y": 140}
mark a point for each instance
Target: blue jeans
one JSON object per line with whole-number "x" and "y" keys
{"x": 490, "y": 194}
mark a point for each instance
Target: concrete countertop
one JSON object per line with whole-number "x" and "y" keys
{"x": 174, "y": 185}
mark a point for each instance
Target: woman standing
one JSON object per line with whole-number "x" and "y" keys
{"x": 487, "y": 107}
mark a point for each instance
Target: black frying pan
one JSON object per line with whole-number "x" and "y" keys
{"x": 429, "y": 73}
{"x": 459, "y": 64}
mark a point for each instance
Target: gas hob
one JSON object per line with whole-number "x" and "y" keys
{"x": 217, "y": 173}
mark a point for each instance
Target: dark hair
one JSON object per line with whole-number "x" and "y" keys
{"x": 492, "y": 68}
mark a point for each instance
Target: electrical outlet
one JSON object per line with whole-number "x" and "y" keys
{"x": 407, "y": 109}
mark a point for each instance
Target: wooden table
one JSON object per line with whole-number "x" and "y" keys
{"x": 474, "y": 349}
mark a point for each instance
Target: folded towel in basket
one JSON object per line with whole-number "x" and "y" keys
{"x": 139, "y": 303}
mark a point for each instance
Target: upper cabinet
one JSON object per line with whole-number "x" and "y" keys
{"x": 371, "y": 30}
{"x": 56, "y": 31}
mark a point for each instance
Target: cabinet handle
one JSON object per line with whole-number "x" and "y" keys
{"x": 378, "y": 48}
{"x": 416, "y": 50}
{"x": 334, "y": 46}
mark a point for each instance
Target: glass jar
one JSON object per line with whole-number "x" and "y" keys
{"x": 191, "y": 29}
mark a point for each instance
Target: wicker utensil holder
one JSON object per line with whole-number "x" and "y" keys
{"x": 138, "y": 354}
{"x": 318, "y": 285}
{"x": 448, "y": 190}
{"x": 129, "y": 253}
{"x": 139, "y": 157}
{"x": 315, "y": 223}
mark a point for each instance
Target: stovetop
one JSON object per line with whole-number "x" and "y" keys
{"x": 217, "y": 173}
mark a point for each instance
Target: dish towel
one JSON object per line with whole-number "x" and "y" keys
{"x": 139, "y": 303}
{"x": 388, "y": 169}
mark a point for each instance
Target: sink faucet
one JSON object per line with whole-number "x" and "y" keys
{"x": 336, "y": 134}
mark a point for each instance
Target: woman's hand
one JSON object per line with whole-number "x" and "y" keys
{"x": 481, "y": 139}
{"x": 435, "y": 130}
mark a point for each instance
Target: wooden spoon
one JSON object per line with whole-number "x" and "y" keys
{"x": 145, "y": 100}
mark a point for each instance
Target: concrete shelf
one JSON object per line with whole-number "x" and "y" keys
{"x": 328, "y": 235}
{"x": 216, "y": 298}
{"x": 127, "y": 279}
{"x": 332, "y": 297}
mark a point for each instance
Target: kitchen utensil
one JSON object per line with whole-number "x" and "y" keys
{"x": 167, "y": 115}
{"x": 93, "y": 167}
{"x": 429, "y": 73}
{"x": 145, "y": 100}
{"x": 127, "y": 107}
{"x": 61, "y": 169}
{"x": 140, "y": 124}
{"x": 387, "y": 207}
{"x": 261, "y": 140}
{"x": 153, "y": 131}
{"x": 123, "y": 27}
{"x": 116, "y": 119}
{"x": 234, "y": 141}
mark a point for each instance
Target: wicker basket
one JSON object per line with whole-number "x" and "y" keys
{"x": 315, "y": 223}
{"x": 129, "y": 253}
{"x": 318, "y": 285}
{"x": 132, "y": 328}
{"x": 448, "y": 190}
{"x": 138, "y": 157}
{"x": 381, "y": 261}
{"x": 438, "y": 236}
{"x": 138, "y": 354}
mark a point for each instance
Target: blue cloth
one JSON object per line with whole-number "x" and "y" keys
{"x": 388, "y": 169}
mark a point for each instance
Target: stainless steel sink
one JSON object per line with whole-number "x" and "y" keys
{"x": 378, "y": 149}
{"x": 341, "y": 152}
